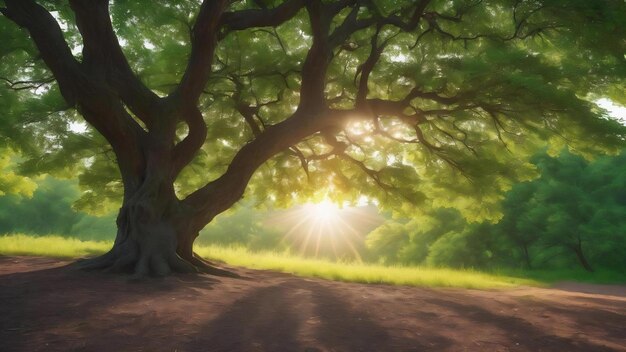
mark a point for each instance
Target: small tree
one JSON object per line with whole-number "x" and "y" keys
{"x": 520, "y": 223}
{"x": 577, "y": 204}
{"x": 402, "y": 101}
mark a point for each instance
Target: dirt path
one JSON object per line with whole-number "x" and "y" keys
{"x": 45, "y": 306}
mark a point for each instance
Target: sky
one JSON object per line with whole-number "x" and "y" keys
{"x": 616, "y": 111}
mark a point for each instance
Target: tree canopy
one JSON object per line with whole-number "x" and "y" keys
{"x": 437, "y": 103}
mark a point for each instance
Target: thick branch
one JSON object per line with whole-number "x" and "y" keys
{"x": 48, "y": 38}
{"x": 185, "y": 151}
{"x": 93, "y": 98}
{"x": 411, "y": 25}
{"x": 102, "y": 53}
{"x": 349, "y": 26}
{"x": 261, "y": 17}
{"x": 204, "y": 37}
{"x": 221, "y": 193}
{"x": 366, "y": 69}
{"x": 317, "y": 59}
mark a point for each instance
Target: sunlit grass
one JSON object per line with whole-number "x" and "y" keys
{"x": 63, "y": 247}
{"x": 360, "y": 272}
{"x": 50, "y": 246}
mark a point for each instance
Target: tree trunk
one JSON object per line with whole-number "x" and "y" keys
{"x": 527, "y": 256}
{"x": 581, "y": 257}
{"x": 153, "y": 240}
{"x": 155, "y": 232}
{"x": 146, "y": 236}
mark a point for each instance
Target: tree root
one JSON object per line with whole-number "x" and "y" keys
{"x": 126, "y": 258}
{"x": 207, "y": 267}
{"x": 96, "y": 263}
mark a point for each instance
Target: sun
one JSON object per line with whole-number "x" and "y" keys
{"x": 324, "y": 228}
{"x": 323, "y": 212}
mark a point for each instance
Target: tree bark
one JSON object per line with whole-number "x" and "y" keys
{"x": 155, "y": 236}
{"x": 578, "y": 250}
{"x": 527, "y": 256}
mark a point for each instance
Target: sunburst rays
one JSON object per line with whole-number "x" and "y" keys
{"x": 326, "y": 229}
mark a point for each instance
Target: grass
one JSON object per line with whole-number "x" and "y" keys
{"x": 50, "y": 246}
{"x": 361, "y": 272}
{"x": 63, "y": 247}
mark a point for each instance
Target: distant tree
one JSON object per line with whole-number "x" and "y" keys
{"x": 243, "y": 227}
{"x": 92, "y": 227}
{"x": 520, "y": 223}
{"x": 409, "y": 241}
{"x": 47, "y": 211}
{"x": 10, "y": 182}
{"x": 574, "y": 213}
{"x": 575, "y": 205}
{"x": 606, "y": 181}
{"x": 402, "y": 101}
{"x": 470, "y": 248}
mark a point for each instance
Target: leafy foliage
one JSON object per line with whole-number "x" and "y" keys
{"x": 49, "y": 211}
{"x": 408, "y": 242}
{"x": 573, "y": 213}
{"x": 10, "y": 182}
{"x": 242, "y": 227}
{"x": 491, "y": 82}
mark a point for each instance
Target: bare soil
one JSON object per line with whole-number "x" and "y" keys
{"x": 46, "y": 305}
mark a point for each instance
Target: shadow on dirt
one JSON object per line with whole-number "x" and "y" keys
{"x": 55, "y": 309}
{"x": 49, "y": 306}
{"x": 521, "y": 333}
{"x": 302, "y": 316}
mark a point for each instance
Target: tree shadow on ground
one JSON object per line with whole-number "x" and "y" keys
{"x": 62, "y": 308}
{"x": 610, "y": 323}
{"x": 300, "y": 316}
{"x": 521, "y": 333}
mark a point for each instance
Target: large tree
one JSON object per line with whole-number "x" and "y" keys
{"x": 404, "y": 101}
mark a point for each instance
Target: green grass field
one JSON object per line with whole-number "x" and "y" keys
{"x": 50, "y": 246}
{"x": 361, "y": 272}
{"x": 62, "y": 247}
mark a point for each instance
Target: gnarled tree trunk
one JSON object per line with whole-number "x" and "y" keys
{"x": 154, "y": 237}
{"x": 156, "y": 230}
{"x": 149, "y": 223}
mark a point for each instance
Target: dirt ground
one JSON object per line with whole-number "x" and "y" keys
{"x": 47, "y": 306}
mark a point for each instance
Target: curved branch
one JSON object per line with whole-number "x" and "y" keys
{"x": 97, "y": 103}
{"x": 184, "y": 152}
{"x": 204, "y": 38}
{"x": 221, "y": 193}
{"x": 317, "y": 59}
{"x": 48, "y": 38}
{"x": 245, "y": 19}
{"x": 102, "y": 53}
{"x": 27, "y": 84}
{"x": 366, "y": 69}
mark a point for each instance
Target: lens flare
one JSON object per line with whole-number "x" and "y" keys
{"x": 326, "y": 229}
{"x": 324, "y": 212}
